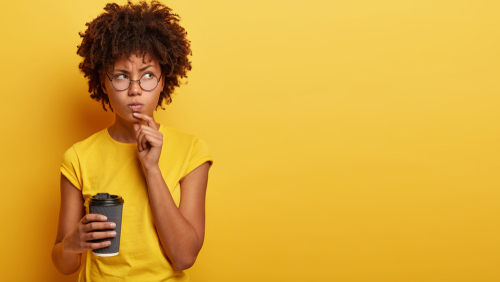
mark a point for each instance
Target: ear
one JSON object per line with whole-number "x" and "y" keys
{"x": 162, "y": 82}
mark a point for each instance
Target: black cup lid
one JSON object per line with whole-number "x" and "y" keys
{"x": 103, "y": 199}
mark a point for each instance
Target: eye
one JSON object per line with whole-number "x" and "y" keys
{"x": 121, "y": 76}
{"x": 148, "y": 75}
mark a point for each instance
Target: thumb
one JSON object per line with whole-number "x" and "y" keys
{"x": 136, "y": 126}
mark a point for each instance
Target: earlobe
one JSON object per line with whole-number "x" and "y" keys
{"x": 162, "y": 83}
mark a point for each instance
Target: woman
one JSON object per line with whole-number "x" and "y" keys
{"x": 134, "y": 56}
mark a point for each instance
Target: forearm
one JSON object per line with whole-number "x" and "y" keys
{"x": 177, "y": 235}
{"x": 65, "y": 261}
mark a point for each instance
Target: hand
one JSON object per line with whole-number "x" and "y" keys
{"x": 77, "y": 240}
{"x": 149, "y": 141}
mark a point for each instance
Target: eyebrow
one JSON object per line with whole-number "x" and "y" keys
{"x": 126, "y": 71}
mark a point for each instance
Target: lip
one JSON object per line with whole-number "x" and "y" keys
{"x": 135, "y": 106}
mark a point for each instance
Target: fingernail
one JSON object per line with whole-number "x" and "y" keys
{"x": 113, "y": 233}
{"x": 134, "y": 114}
{"x": 112, "y": 225}
{"x": 103, "y": 218}
{"x": 108, "y": 243}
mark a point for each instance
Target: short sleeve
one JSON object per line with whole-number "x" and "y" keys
{"x": 70, "y": 167}
{"x": 199, "y": 155}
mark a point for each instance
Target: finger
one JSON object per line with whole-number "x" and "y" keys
{"x": 150, "y": 137}
{"x": 144, "y": 140}
{"x": 151, "y": 141}
{"x": 139, "y": 128}
{"x": 98, "y": 226}
{"x": 93, "y": 217}
{"x": 100, "y": 245}
{"x": 149, "y": 120}
{"x": 140, "y": 138}
{"x": 149, "y": 131}
{"x": 142, "y": 132}
{"x": 155, "y": 140}
{"x": 140, "y": 144}
{"x": 99, "y": 235}
{"x": 146, "y": 128}
{"x": 137, "y": 137}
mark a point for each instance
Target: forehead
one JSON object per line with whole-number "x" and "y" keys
{"x": 135, "y": 60}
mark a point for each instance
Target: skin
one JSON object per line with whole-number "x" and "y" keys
{"x": 181, "y": 230}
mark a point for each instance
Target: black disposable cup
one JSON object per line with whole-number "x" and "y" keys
{"x": 111, "y": 206}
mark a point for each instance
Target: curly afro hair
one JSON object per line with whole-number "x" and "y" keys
{"x": 140, "y": 29}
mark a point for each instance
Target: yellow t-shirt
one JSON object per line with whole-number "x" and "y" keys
{"x": 100, "y": 164}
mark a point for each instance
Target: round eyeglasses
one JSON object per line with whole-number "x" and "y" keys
{"x": 147, "y": 82}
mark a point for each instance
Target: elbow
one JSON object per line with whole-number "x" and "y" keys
{"x": 184, "y": 264}
{"x": 64, "y": 271}
{"x": 60, "y": 264}
{"x": 67, "y": 272}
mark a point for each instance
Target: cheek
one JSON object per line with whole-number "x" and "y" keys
{"x": 111, "y": 99}
{"x": 114, "y": 101}
{"x": 157, "y": 98}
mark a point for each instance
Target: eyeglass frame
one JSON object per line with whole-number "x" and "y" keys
{"x": 131, "y": 80}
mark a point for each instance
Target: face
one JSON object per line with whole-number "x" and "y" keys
{"x": 133, "y": 69}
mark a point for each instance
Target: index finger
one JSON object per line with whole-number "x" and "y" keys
{"x": 93, "y": 217}
{"x": 149, "y": 120}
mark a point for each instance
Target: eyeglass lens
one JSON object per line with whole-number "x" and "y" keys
{"x": 147, "y": 82}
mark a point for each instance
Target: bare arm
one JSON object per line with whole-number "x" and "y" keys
{"x": 74, "y": 228}
{"x": 181, "y": 230}
{"x": 70, "y": 213}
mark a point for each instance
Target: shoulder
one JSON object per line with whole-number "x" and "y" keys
{"x": 87, "y": 143}
{"x": 183, "y": 143}
{"x": 177, "y": 136}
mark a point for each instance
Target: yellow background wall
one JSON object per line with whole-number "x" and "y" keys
{"x": 353, "y": 140}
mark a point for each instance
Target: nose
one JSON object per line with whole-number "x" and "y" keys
{"x": 135, "y": 88}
